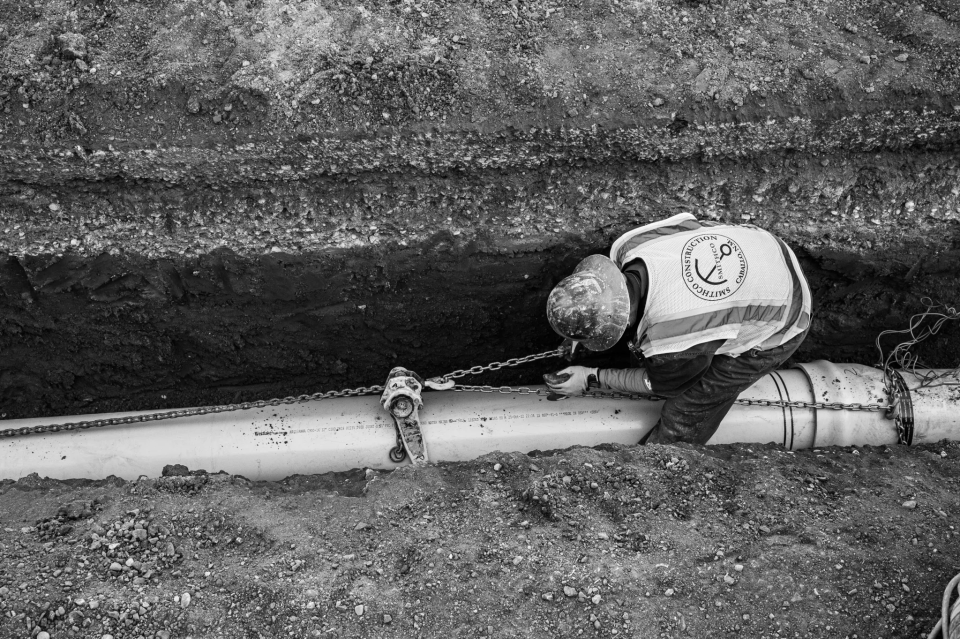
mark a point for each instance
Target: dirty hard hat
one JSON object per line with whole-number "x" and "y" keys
{"x": 592, "y": 305}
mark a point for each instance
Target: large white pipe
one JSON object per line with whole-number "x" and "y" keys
{"x": 342, "y": 434}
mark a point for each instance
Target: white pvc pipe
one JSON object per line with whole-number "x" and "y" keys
{"x": 342, "y": 434}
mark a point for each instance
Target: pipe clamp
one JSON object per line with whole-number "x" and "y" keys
{"x": 401, "y": 398}
{"x": 901, "y": 406}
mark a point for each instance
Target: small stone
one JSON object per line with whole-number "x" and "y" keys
{"x": 193, "y": 105}
{"x": 185, "y": 600}
{"x": 602, "y": 535}
{"x": 596, "y": 599}
{"x": 910, "y": 205}
{"x": 43, "y": 634}
{"x": 81, "y": 65}
{"x": 517, "y": 560}
{"x": 497, "y": 467}
{"x": 359, "y": 610}
{"x": 387, "y": 619}
{"x": 764, "y": 529}
{"x": 658, "y": 102}
{"x": 217, "y": 119}
{"x": 547, "y": 596}
{"x": 362, "y": 526}
{"x": 910, "y": 504}
{"x": 851, "y": 28}
{"x": 865, "y": 59}
{"x": 73, "y": 46}
{"x": 738, "y": 567}
{"x": 53, "y": 206}
{"x": 94, "y": 604}
{"x": 570, "y": 592}
{"x": 727, "y": 579}
{"x": 116, "y": 567}
{"x": 245, "y": 63}
{"x": 311, "y": 594}
{"x": 669, "y": 592}
{"x": 903, "y": 57}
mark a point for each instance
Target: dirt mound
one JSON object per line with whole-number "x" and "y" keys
{"x": 652, "y": 541}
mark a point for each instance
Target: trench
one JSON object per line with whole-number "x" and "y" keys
{"x": 183, "y": 295}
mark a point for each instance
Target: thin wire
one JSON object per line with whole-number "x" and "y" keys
{"x": 943, "y": 625}
{"x": 918, "y": 330}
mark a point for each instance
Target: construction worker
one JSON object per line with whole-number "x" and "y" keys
{"x": 711, "y": 308}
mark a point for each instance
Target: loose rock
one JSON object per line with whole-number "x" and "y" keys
{"x": 73, "y": 46}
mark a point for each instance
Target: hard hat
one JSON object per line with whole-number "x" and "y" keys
{"x": 591, "y": 305}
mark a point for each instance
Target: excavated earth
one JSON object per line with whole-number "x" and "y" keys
{"x": 212, "y": 202}
{"x": 655, "y": 541}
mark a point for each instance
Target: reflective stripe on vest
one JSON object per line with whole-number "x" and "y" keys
{"x": 632, "y": 239}
{"x": 737, "y": 283}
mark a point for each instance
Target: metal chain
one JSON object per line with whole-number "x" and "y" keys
{"x": 495, "y": 366}
{"x": 523, "y": 390}
{"x": 187, "y": 412}
{"x": 226, "y": 408}
{"x": 371, "y": 390}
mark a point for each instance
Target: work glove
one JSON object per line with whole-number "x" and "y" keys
{"x": 572, "y": 381}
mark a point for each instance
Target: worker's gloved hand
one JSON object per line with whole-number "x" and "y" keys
{"x": 572, "y": 381}
{"x": 570, "y": 350}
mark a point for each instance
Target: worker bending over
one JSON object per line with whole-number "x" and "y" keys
{"x": 711, "y": 308}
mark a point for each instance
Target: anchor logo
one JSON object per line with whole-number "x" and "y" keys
{"x": 725, "y": 250}
{"x": 714, "y": 266}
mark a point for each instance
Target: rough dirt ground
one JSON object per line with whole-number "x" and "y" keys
{"x": 635, "y": 542}
{"x": 205, "y": 202}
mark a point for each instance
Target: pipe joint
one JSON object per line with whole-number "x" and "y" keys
{"x": 901, "y": 406}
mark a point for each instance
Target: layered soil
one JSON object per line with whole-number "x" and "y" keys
{"x": 208, "y": 202}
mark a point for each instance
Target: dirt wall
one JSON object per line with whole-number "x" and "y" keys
{"x": 256, "y": 199}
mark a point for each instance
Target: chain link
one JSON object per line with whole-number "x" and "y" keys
{"x": 187, "y": 412}
{"x": 495, "y": 366}
{"x": 523, "y": 390}
{"x": 226, "y": 408}
{"x": 371, "y": 390}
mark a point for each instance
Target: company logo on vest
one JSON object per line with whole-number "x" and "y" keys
{"x": 714, "y": 266}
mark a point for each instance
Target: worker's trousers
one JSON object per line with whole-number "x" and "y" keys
{"x": 694, "y": 415}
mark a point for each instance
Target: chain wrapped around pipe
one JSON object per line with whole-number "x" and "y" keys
{"x": 372, "y": 390}
{"x": 226, "y": 408}
{"x": 771, "y": 403}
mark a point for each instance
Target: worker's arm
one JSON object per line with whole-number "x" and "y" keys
{"x": 667, "y": 375}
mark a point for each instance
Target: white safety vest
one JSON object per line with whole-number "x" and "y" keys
{"x": 711, "y": 281}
